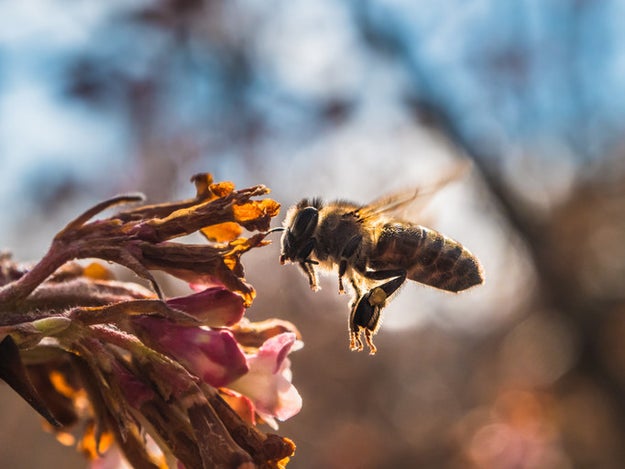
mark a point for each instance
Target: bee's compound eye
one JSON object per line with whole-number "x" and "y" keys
{"x": 287, "y": 241}
{"x": 288, "y": 247}
{"x": 305, "y": 222}
{"x": 307, "y": 249}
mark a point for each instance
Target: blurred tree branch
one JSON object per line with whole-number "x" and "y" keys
{"x": 553, "y": 241}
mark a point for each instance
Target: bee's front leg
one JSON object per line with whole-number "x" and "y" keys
{"x": 311, "y": 273}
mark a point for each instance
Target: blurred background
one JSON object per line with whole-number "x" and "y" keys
{"x": 354, "y": 99}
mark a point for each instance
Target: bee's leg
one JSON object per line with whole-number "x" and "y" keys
{"x": 348, "y": 251}
{"x": 391, "y": 286}
{"x": 342, "y": 269}
{"x": 369, "y": 338}
{"x": 306, "y": 264}
{"x": 356, "y": 288}
{"x": 355, "y": 344}
{"x": 354, "y": 331}
{"x": 384, "y": 274}
{"x": 366, "y": 311}
{"x": 311, "y": 273}
{"x": 365, "y": 317}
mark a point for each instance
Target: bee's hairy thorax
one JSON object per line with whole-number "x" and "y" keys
{"x": 337, "y": 226}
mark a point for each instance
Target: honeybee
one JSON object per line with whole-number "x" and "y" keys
{"x": 376, "y": 251}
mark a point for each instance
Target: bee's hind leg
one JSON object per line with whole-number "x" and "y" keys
{"x": 391, "y": 286}
{"x": 357, "y": 290}
{"x": 365, "y": 318}
{"x": 366, "y": 310}
{"x": 384, "y": 274}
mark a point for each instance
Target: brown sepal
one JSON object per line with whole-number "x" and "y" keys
{"x": 13, "y": 372}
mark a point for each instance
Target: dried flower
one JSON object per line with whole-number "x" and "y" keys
{"x": 176, "y": 382}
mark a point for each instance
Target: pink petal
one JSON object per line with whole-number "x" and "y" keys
{"x": 214, "y": 307}
{"x": 214, "y": 356}
{"x": 198, "y": 286}
{"x": 268, "y": 382}
{"x": 275, "y": 350}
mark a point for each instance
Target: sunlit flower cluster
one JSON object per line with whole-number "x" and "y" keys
{"x": 163, "y": 382}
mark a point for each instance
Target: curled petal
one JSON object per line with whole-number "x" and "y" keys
{"x": 241, "y": 404}
{"x": 214, "y": 307}
{"x": 268, "y": 382}
{"x": 200, "y": 264}
{"x": 221, "y": 189}
{"x": 254, "y": 334}
{"x": 213, "y": 356}
{"x": 256, "y": 214}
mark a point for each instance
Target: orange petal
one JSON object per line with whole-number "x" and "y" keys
{"x": 222, "y": 189}
{"x": 282, "y": 463}
{"x": 255, "y": 209}
{"x": 91, "y": 446}
{"x": 97, "y": 271}
{"x": 65, "y": 438}
{"x": 222, "y": 232}
{"x": 240, "y": 404}
{"x": 62, "y": 386}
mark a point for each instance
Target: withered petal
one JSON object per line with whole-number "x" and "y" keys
{"x": 55, "y": 389}
{"x": 241, "y": 404}
{"x": 94, "y": 444}
{"x": 13, "y": 372}
{"x": 91, "y": 212}
{"x": 265, "y": 449}
{"x": 222, "y": 189}
{"x": 213, "y": 307}
{"x": 254, "y": 334}
{"x": 222, "y": 232}
{"x": 200, "y": 264}
{"x": 202, "y": 182}
{"x": 256, "y": 214}
{"x": 217, "y": 448}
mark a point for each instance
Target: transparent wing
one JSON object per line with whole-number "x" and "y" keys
{"x": 416, "y": 197}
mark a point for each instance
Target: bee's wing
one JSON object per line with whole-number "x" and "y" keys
{"x": 396, "y": 201}
{"x": 390, "y": 203}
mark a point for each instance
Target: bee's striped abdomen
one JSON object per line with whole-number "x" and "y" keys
{"x": 428, "y": 257}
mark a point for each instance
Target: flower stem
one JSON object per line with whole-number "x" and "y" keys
{"x": 24, "y": 286}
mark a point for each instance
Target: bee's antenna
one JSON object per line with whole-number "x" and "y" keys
{"x": 273, "y": 230}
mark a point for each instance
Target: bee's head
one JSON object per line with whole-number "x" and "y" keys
{"x": 298, "y": 239}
